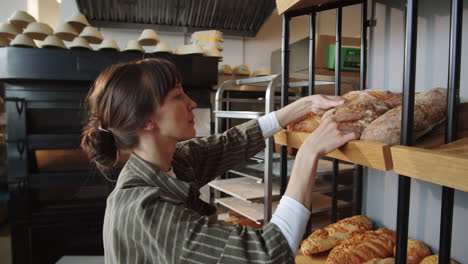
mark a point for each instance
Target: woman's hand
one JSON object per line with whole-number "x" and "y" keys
{"x": 318, "y": 104}
{"x": 333, "y": 132}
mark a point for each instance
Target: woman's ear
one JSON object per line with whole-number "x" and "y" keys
{"x": 149, "y": 125}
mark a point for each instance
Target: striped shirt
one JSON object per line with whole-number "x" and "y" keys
{"x": 152, "y": 217}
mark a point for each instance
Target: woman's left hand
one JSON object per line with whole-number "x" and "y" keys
{"x": 321, "y": 103}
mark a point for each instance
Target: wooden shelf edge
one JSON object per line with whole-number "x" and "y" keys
{"x": 441, "y": 167}
{"x": 367, "y": 153}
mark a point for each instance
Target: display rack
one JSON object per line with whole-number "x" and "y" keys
{"x": 257, "y": 182}
{"x": 445, "y": 164}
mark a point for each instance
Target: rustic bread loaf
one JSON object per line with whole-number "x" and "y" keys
{"x": 332, "y": 235}
{"x": 434, "y": 259}
{"x": 307, "y": 123}
{"x": 429, "y": 111}
{"x": 381, "y": 261}
{"x": 417, "y": 251}
{"x": 371, "y": 103}
{"x": 369, "y": 106}
{"x": 364, "y": 247}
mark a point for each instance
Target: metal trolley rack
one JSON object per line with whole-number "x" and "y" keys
{"x": 454, "y": 158}
{"x": 245, "y": 191}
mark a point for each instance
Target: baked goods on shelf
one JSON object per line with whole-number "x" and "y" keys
{"x": 381, "y": 261}
{"x": 434, "y": 259}
{"x": 429, "y": 111}
{"x": 332, "y": 235}
{"x": 417, "y": 251}
{"x": 364, "y": 247}
{"x": 307, "y": 123}
{"x": 371, "y": 104}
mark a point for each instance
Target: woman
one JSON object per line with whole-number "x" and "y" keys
{"x": 154, "y": 214}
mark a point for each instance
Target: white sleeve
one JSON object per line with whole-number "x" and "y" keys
{"x": 269, "y": 124}
{"x": 291, "y": 217}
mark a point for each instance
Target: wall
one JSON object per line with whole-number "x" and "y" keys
{"x": 8, "y": 7}
{"x": 386, "y": 71}
{"x": 257, "y": 51}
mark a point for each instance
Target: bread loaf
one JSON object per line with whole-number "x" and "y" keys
{"x": 364, "y": 247}
{"x": 370, "y": 107}
{"x": 307, "y": 123}
{"x": 371, "y": 103}
{"x": 434, "y": 259}
{"x": 381, "y": 261}
{"x": 429, "y": 111}
{"x": 332, "y": 235}
{"x": 417, "y": 251}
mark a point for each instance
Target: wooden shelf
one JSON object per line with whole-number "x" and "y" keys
{"x": 254, "y": 210}
{"x": 291, "y": 5}
{"x": 445, "y": 165}
{"x": 370, "y": 154}
{"x": 248, "y": 189}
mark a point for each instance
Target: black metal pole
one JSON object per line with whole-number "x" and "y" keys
{"x": 363, "y": 72}
{"x": 339, "y": 16}
{"x": 312, "y": 54}
{"x": 284, "y": 97}
{"x": 446, "y": 221}
{"x": 404, "y": 183}
{"x": 358, "y": 179}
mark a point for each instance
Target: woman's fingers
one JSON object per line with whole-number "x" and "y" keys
{"x": 347, "y": 117}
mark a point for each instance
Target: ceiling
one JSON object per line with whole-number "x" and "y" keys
{"x": 232, "y": 17}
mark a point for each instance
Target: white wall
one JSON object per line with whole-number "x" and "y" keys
{"x": 7, "y": 7}
{"x": 386, "y": 71}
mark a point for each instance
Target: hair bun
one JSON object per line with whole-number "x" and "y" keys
{"x": 100, "y": 146}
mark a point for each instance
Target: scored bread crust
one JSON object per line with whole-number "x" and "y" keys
{"x": 332, "y": 235}
{"x": 369, "y": 106}
{"x": 364, "y": 247}
{"x": 429, "y": 111}
{"x": 307, "y": 123}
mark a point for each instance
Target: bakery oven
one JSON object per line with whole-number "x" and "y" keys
{"x": 57, "y": 199}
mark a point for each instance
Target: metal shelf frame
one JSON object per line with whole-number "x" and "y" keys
{"x": 272, "y": 83}
{"x": 454, "y": 65}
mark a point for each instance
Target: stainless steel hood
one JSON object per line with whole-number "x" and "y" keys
{"x": 232, "y": 17}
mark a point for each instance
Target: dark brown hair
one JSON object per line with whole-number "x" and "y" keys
{"x": 119, "y": 103}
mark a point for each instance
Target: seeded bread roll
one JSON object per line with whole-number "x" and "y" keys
{"x": 417, "y": 251}
{"x": 364, "y": 247}
{"x": 434, "y": 259}
{"x": 332, "y": 235}
{"x": 429, "y": 111}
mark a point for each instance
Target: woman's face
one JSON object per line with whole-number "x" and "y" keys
{"x": 174, "y": 117}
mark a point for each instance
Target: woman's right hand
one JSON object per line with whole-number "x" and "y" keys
{"x": 332, "y": 133}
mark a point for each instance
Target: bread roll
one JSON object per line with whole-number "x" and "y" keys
{"x": 307, "y": 123}
{"x": 381, "y": 261}
{"x": 364, "y": 247}
{"x": 429, "y": 111}
{"x": 332, "y": 235}
{"x": 434, "y": 259}
{"x": 365, "y": 103}
{"x": 395, "y": 100}
{"x": 417, "y": 251}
